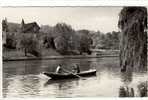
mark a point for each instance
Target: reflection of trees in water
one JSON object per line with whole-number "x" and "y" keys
{"x": 23, "y": 67}
{"x": 85, "y": 65}
{"x": 35, "y": 67}
{"x": 127, "y": 77}
{"x": 38, "y": 66}
{"x": 142, "y": 90}
{"x": 51, "y": 65}
{"x": 108, "y": 64}
{"x": 126, "y": 91}
{"x": 142, "y": 69}
{"x": 65, "y": 86}
{"x": 32, "y": 67}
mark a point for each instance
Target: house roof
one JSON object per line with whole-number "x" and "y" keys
{"x": 29, "y": 26}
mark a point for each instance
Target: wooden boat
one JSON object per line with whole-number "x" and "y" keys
{"x": 57, "y": 76}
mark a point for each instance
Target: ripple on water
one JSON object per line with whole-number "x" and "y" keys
{"x": 26, "y": 80}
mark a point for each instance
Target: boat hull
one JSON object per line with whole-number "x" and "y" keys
{"x": 56, "y": 76}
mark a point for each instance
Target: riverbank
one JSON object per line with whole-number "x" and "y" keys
{"x": 13, "y": 55}
{"x": 56, "y": 57}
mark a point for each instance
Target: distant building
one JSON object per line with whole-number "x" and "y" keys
{"x": 29, "y": 27}
{"x": 9, "y": 27}
{"x": 23, "y": 27}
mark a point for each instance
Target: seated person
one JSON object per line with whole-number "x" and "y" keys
{"x": 76, "y": 69}
{"x": 59, "y": 69}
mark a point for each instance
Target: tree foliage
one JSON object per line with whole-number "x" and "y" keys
{"x": 61, "y": 44}
{"x": 61, "y": 37}
{"x": 67, "y": 34}
{"x": 108, "y": 40}
{"x": 11, "y": 40}
{"x": 133, "y": 48}
{"x": 64, "y": 30}
{"x": 29, "y": 44}
{"x": 85, "y": 41}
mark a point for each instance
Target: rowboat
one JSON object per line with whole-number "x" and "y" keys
{"x": 56, "y": 76}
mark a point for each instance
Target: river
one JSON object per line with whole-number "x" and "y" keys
{"x": 25, "y": 78}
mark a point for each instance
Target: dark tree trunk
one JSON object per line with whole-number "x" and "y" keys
{"x": 25, "y": 51}
{"x": 52, "y": 43}
{"x": 133, "y": 44}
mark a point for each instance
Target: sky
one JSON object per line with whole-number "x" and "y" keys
{"x": 104, "y": 19}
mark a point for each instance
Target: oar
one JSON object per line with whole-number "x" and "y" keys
{"x": 71, "y": 73}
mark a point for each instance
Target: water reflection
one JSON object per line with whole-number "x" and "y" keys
{"x": 142, "y": 90}
{"x": 24, "y": 79}
{"x": 63, "y": 82}
{"x": 131, "y": 89}
{"x": 127, "y": 77}
{"x": 126, "y": 92}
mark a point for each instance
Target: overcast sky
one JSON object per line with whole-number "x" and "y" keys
{"x": 104, "y": 19}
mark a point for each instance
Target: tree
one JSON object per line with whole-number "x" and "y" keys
{"x": 48, "y": 30}
{"x": 49, "y": 42}
{"x": 64, "y": 32}
{"x": 85, "y": 41}
{"x": 29, "y": 44}
{"x": 11, "y": 40}
{"x": 61, "y": 44}
{"x": 108, "y": 40}
{"x": 47, "y": 34}
{"x": 133, "y": 47}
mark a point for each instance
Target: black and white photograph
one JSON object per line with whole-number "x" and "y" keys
{"x": 71, "y": 52}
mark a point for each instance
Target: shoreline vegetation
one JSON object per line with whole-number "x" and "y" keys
{"x": 55, "y": 57}
{"x": 27, "y": 41}
{"x": 19, "y": 55}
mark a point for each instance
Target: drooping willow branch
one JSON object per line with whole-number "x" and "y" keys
{"x": 133, "y": 43}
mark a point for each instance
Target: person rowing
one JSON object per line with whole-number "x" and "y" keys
{"x": 76, "y": 68}
{"x": 59, "y": 69}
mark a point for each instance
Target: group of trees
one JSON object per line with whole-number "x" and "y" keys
{"x": 109, "y": 40}
{"x": 29, "y": 44}
{"x": 66, "y": 40}
{"x": 63, "y": 38}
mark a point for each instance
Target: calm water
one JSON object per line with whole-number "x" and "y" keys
{"x": 24, "y": 79}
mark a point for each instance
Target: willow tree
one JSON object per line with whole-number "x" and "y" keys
{"x": 133, "y": 44}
